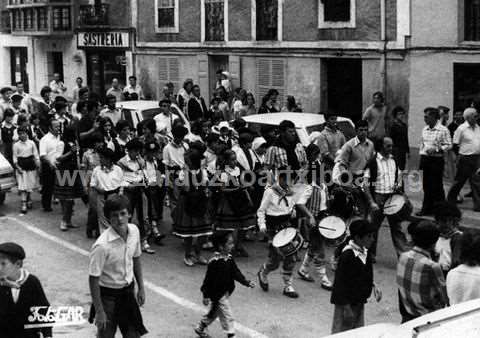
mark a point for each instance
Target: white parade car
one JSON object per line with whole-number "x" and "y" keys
{"x": 7, "y": 178}
{"x": 305, "y": 123}
{"x": 137, "y": 111}
{"x": 460, "y": 320}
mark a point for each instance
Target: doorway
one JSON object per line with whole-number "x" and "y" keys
{"x": 18, "y": 66}
{"x": 54, "y": 65}
{"x": 466, "y": 85}
{"x": 215, "y": 63}
{"x": 344, "y": 87}
{"x": 102, "y": 67}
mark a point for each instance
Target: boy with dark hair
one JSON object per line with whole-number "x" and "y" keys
{"x": 19, "y": 292}
{"x": 7, "y": 133}
{"x": 219, "y": 284}
{"x": 420, "y": 280}
{"x": 114, "y": 263}
{"x": 354, "y": 278}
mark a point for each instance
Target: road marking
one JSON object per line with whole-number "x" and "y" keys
{"x": 153, "y": 287}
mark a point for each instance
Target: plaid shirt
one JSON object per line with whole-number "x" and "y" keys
{"x": 420, "y": 282}
{"x": 386, "y": 174}
{"x": 276, "y": 157}
{"x": 437, "y": 138}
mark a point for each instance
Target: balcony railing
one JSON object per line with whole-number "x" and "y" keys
{"x": 93, "y": 15}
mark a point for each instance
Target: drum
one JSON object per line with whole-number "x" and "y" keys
{"x": 398, "y": 206}
{"x": 288, "y": 241}
{"x": 333, "y": 229}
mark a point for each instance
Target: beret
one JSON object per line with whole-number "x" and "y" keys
{"x": 13, "y": 250}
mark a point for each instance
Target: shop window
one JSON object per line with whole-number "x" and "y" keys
{"x": 472, "y": 20}
{"x": 270, "y": 75}
{"x": 336, "y": 13}
{"x": 214, "y": 20}
{"x": 166, "y": 16}
{"x": 42, "y": 19}
{"x": 267, "y": 19}
{"x": 61, "y": 19}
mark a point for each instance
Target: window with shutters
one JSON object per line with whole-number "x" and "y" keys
{"x": 62, "y": 19}
{"x": 270, "y": 75}
{"x": 267, "y": 19}
{"x": 336, "y": 13}
{"x": 214, "y": 20}
{"x": 169, "y": 71}
{"x": 472, "y": 20}
{"x": 28, "y": 19}
{"x": 166, "y": 16}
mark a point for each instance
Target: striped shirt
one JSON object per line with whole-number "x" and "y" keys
{"x": 436, "y": 138}
{"x": 276, "y": 156}
{"x": 315, "y": 198}
{"x": 421, "y": 283}
{"x": 386, "y": 174}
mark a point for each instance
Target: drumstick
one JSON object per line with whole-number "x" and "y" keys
{"x": 331, "y": 229}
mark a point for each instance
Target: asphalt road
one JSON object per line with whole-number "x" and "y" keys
{"x": 173, "y": 307}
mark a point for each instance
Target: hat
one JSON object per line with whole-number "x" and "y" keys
{"x": 151, "y": 146}
{"x": 16, "y": 97}
{"x": 258, "y": 142}
{"x": 12, "y": 250}
{"x": 223, "y": 124}
{"x": 134, "y": 144}
{"x": 361, "y": 227}
{"x": 179, "y": 131}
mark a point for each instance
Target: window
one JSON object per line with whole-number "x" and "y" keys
{"x": 5, "y": 17}
{"x": 214, "y": 15}
{"x": 336, "y": 13}
{"x": 61, "y": 19}
{"x": 472, "y": 20}
{"x": 169, "y": 71}
{"x": 267, "y": 20}
{"x": 270, "y": 75}
{"x": 17, "y": 19}
{"x": 28, "y": 19}
{"x": 42, "y": 19}
{"x": 166, "y": 16}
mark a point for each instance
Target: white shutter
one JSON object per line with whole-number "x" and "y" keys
{"x": 168, "y": 71}
{"x": 270, "y": 75}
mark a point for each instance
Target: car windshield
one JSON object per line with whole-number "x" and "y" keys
{"x": 347, "y": 129}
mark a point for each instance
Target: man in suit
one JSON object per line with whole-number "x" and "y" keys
{"x": 196, "y": 105}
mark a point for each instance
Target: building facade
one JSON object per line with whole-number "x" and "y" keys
{"x": 93, "y": 40}
{"x": 328, "y": 54}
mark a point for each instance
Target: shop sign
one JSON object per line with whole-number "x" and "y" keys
{"x": 109, "y": 39}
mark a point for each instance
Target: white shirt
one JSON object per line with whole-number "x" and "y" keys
{"x": 129, "y": 89}
{"x": 150, "y": 173}
{"x": 174, "y": 155}
{"x": 51, "y": 147}
{"x": 436, "y": 138}
{"x": 272, "y": 206}
{"x": 113, "y": 114}
{"x": 242, "y": 158}
{"x": 111, "y": 258}
{"x": 468, "y": 139}
{"x": 132, "y": 173}
{"x": 386, "y": 172}
{"x": 57, "y": 87}
{"x": 165, "y": 122}
{"x": 107, "y": 180}
{"x": 463, "y": 283}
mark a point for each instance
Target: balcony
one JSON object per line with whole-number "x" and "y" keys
{"x": 93, "y": 15}
{"x": 41, "y": 17}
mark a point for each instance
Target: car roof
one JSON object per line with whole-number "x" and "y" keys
{"x": 299, "y": 119}
{"x": 138, "y": 105}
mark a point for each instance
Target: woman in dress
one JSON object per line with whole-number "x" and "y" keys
{"x": 193, "y": 221}
{"x": 68, "y": 181}
{"x": 250, "y": 108}
{"x": 26, "y": 162}
{"x": 234, "y": 211}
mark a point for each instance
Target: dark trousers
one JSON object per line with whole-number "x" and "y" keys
{"x": 401, "y": 158}
{"x": 135, "y": 196}
{"x": 47, "y": 178}
{"x": 398, "y": 236}
{"x": 348, "y": 317}
{"x": 155, "y": 196}
{"x": 432, "y": 181}
{"x": 466, "y": 170}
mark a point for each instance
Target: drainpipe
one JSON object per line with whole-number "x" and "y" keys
{"x": 383, "y": 38}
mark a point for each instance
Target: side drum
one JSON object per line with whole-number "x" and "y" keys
{"x": 333, "y": 229}
{"x": 288, "y": 241}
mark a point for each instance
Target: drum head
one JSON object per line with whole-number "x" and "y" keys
{"x": 332, "y": 227}
{"x": 284, "y": 237}
{"x": 394, "y": 204}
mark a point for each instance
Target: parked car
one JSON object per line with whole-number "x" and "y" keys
{"x": 460, "y": 320}
{"x": 305, "y": 123}
{"x": 137, "y": 111}
{"x": 7, "y": 178}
